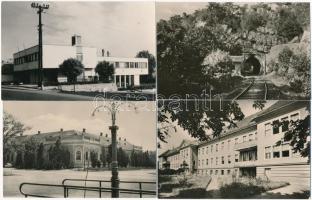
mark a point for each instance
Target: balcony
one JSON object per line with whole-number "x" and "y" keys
{"x": 245, "y": 145}
{"x": 250, "y": 163}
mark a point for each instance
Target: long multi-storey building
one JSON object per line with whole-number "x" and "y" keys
{"x": 127, "y": 70}
{"x": 252, "y": 148}
{"x": 80, "y": 144}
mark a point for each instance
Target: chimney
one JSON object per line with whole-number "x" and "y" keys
{"x": 61, "y": 130}
{"x": 107, "y": 53}
{"x": 103, "y": 52}
{"x": 83, "y": 130}
{"x": 76, "y": 40}
{"x": 39, "y": 132}
{"x": 101, "y": 134}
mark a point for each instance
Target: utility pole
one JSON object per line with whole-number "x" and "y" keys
{"x": 41, "y": 8}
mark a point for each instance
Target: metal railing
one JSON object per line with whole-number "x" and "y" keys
{"x": 99, "y": 189}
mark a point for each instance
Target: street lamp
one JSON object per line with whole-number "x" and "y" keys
{"x": 113, "y": 108}
{"x": 41, "y": 8}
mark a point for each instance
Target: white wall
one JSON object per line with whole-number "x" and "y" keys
{"x": 54, "y": 55}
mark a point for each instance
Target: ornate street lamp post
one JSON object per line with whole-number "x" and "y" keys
{"x": 113, "y": 108}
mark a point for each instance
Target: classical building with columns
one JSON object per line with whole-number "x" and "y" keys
{"x": 80, "y": 144}
{"x": 251, "y": 149}
{"x": 127, "y": 70}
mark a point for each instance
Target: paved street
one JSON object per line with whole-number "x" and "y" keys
{"x": 14, "y": 177}
{"x": 25, "y": 94}
{"x": 20, "y": 94}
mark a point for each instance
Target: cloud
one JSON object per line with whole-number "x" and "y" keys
{"x": 123, "y": 28}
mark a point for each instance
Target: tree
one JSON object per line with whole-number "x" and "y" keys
{"x": 40, "y": 158}
{"x": 151, "y": 64}
{"x": 103, "y": 156}
{"x": 202, "y": 122}
{"x": 287, "y": 25}
{"x": 30, "y": 152}
{"x": 298, "y": 135}
{"x": 122, "y": 158}
{"x": 71, "y": 68}
{"x": 11, "y": 129}
{"x": 105, "y": 70}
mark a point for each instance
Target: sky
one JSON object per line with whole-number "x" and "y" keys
{"x": 175, "y": 138}
{"x": 165, "y": 10}
{"x": 123, "y": 28}
{"x": 138, "y": 127}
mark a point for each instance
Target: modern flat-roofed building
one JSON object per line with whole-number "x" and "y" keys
{"x": 127, "y": 70}
{"x": 251, "y": 149}
{"x": 80, "y": 144}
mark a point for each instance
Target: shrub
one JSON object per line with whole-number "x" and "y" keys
{"x": 162, "y": 179}
{"x": 240, "y": 190}
{"x": 296, "y": 85}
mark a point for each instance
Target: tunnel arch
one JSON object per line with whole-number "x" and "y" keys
{"x": 251, "y": 66}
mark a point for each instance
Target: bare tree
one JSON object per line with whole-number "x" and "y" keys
{"x": 11, "y": 128}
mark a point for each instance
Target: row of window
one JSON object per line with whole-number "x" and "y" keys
{"x": 277, "y": 151}
{"x": 279, "y": 125}
{"x": 184, "y": 153}
{"x": 216, "y": 171}
{"x": 130, "y": 65}
{"x": 210, "y": 148}
{"x": 26, "y": 59}
{"x": 205, "y": 162}
{"x": 78, "y": 155}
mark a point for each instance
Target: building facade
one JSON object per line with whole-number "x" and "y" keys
{"x": 184, "y": 156}
{"x": 127, "y": 70}
{"x": 80, "y": 144}
{"x": 252, "y": 149}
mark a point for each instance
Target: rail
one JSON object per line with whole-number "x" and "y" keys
{"x": 107, "y": 181}
{"x": 99, "y": 189}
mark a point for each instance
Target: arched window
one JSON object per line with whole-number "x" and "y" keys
{"x": 78, "y": 155}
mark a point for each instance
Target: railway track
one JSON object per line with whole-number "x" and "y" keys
{"x": 257, "y": 90}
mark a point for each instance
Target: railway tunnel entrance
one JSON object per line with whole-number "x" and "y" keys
{"x": 251, "y": 67}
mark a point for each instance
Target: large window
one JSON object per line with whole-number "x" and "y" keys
{"x": 267, "y": 129}
{"x": 285, "y": 150}
{"x": 222, "y": 160}
{"x": 267, "y": 151}
{"x": 276, "y": 151}
{"x": 275, "y": 127}
{"x": 78, "y": 155}
{"x": 285, "y": 124}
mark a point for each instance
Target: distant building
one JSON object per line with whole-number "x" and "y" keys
{"x": 127, "y": 70}
{"x": 251, "y": 148}
{"x": 184, "y": 156}
{"x": 79, "y": 143}
{"x": 7, "y": 70}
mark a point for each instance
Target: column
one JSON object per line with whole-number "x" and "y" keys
{"x": 115, "y": 79}
{"x": 125, "y": 81}
{"x": 120, "y": 81}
